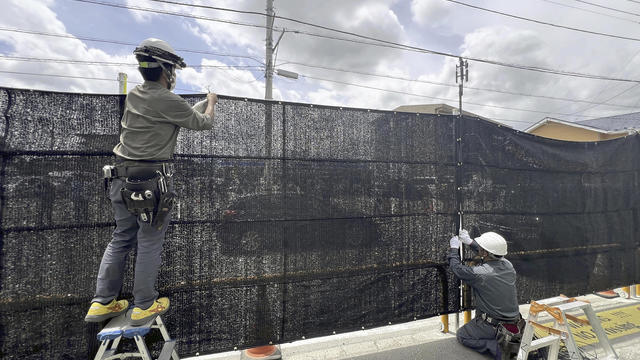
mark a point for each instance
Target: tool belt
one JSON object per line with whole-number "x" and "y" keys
{"x": 141, "y": 169}
{"x": 145, "y": 192}
{"x": 496, "y": 321}
{"x": 508, "y": 333}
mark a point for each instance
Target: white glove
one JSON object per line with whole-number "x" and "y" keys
{"x": 465, "y": 238}
{"x": 454, "y": 242}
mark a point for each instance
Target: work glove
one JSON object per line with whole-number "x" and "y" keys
{"x": 454, "y": 242}
{"x": 465, "y": 238}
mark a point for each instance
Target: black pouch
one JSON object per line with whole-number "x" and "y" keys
{"x": 166, "y": 203}
{"x": 142, "y": 196}
{"x": 509, "y": 337}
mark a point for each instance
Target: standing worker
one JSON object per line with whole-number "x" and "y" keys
{"x": 497, "y": 326}
{"x": 141, "y": 183}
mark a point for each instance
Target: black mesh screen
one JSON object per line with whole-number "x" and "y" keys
{"x": 298, "y": 220}
{"x": 567, "y": 209}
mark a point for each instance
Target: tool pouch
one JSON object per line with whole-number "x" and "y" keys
{"x": 141, "y": 196}
{"x": 166, "y": 203}
{"x": 509, "y": 336}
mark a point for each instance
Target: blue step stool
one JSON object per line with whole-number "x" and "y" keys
{"x": 118, "y": 327}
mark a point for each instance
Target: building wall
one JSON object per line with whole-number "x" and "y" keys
{"x": 571, "y": 133}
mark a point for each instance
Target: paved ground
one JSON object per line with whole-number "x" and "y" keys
{"x": 423, "y": 340}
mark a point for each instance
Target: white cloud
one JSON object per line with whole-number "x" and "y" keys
{"x": 228, "y": 81}
{"x": 36, "y": 15}
{"x": 430, "y": 12}
{"x": 430, "y": 24}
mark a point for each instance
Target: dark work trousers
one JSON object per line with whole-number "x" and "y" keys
{"x": 130, "y": 232}
{"x": 478, "y": 335}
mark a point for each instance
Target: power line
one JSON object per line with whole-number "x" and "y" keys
{"x": 621, "y": 70}
{"x": 229, "y": 67}
{"x": 133, "y": 7}
{"x": 57, "y": 75}
{"x": 433, "y": 97}
{"x": 117, "y": 42}
{"x": 73, "y": 77}
{"x": 109, "y": 63}
{"x": 591, "y": 11}
{"x": 544, "y": 22}
{"x": 378, "y": 42}
{"x": 611, "y": 98}
{"x": 455, "y": 86}
{"x": 310, "y": 77}
{"x": 606, "y": 7}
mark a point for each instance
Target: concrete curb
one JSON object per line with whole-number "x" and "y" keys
{"x": 420, "y": 339}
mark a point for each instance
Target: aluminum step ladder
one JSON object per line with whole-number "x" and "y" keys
{"x": 558, "y": 307}
{"x": 119, "y": 327}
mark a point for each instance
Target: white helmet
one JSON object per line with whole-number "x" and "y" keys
{"x": 164, "y": 54}
{"x": 493, "y": 243}
{"x": 161, "y": 51}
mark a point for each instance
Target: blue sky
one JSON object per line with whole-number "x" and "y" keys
{"x": 515, "y": 97}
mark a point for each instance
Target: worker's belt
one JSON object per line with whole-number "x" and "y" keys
{"x": 141, "y": 170}
{"x": 145, "y": 191}
{"x": 496, "y": 321}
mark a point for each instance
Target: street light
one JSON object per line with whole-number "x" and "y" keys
{"x": 287, "y": 74}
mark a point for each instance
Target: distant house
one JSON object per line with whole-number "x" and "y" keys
{"x": 605, "y": 128}
{"x": 441, "y": 109}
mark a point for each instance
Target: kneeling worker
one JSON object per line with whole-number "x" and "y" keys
{"x": 494, "y": 287}
{"x": 141, "y": 184}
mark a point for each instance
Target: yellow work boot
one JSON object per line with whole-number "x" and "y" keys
{"x": 98, "y": 312}
{"x": 142, "y": 316}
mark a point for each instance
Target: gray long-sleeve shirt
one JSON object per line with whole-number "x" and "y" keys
{"x": 151, "y": 121}
{"x": 493, "y": 283}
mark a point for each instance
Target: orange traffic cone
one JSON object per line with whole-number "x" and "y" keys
{"x": 267, "y": 352}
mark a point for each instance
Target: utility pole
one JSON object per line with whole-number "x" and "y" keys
{"x": 268, "y": 74}
{"x": 462, "y": 74}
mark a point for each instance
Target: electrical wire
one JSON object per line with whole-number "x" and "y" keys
{"x": 117, "y": 42}
{"x": 377, "y": 42}
{"x": 431, "y": 97}
{"x": 607, "y": 86}
{"x": 309, "y": 77}
{"x": 75, "y": 77}
{"x": 591, "y": 11}
{"x": 455, "y": 86}
{"x": 611, "y": 98}
{"x": 606, "y": 7}
{"x": 110, "y": 63}
{"x": 542, "y": 22}
{"x": 229, "y": 67}
{"x": 395, "y": 45}
{"x": 56, "y": 75}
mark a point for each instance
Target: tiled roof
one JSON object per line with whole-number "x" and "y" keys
{"x": 614, "y": 123}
